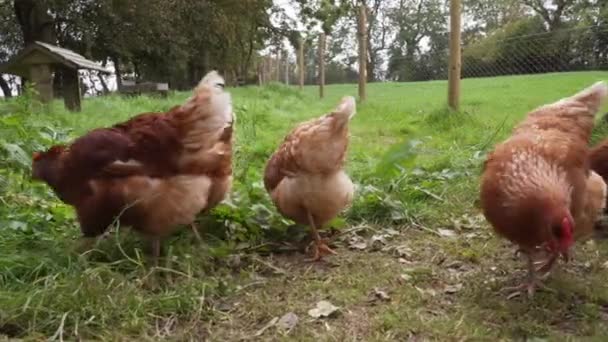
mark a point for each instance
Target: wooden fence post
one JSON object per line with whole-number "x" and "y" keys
{"x": 362, "y": 53}
{"x": 455, "y": 61}
{"x": 322, "y": 65}
{"x": 270, "y": 75}
{"x": 301, "y": 63}
{"x": 286, "y": 69}
{"x": 278, "y": 65}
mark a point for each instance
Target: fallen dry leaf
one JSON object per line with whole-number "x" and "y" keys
{"x": 358, "y": 245}
{"x": 288, "y": 322}
{"x": 269, "y": 325}
{"x": 429, "y": 292}
{"x": 356, "y": 242}
{"x": 405, "y": 277}
{"x": 379, "y": 294}
{"x": 400, "y": 251}
{"x": 391, "y": 232}
{"x": 377, "y": 241}
{"x": 446, "y": 233}
{"x": 323, "y": 309}
{"x": 451, "y": 289}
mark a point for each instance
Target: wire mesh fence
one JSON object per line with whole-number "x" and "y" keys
{"x": 499, "y": 54}
{"x": 578, "y": 49}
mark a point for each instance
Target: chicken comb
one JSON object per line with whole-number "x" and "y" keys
{"x": 36, "y": 156}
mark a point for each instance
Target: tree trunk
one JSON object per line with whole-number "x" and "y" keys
{"x": 104, "y": 85}
{"x": 301, "y": 63}
{"x": 278, "y": 65}
{"x": 5, "y": 88}
{"x": 362, "y": 53}
{"x": 455, "y": 59}
{"x": 35, "y": 21}
{"x": 286, "y": 70}
{"x": 36, "y": 24}
{"x": 118, "y": 72}
{"x": 322, "y": 65}
{"x": 371, "y": 69}
{"x": 71, "y": 90}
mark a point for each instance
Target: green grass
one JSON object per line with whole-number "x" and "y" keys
{"x": 416, "y": 166}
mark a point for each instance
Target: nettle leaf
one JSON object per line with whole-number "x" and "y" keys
{"x": 337, "y": 223}
{"x": 11, "y": 121}
{"x": 398, "y": 157}
{"x": 17, "y": 225}
{"x": 16, "y": 153}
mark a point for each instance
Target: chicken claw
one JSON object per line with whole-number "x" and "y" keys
{"x": 197, "y": 235}
{"x": 529, "y": 286}
{"x": 533, "y": 281}
{"x": 321, "y": 249}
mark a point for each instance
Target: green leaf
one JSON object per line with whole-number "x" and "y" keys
{"x": 16, "y": 153}
{"x": 398, "y": 157}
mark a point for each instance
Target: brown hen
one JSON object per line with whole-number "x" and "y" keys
{"x": 153, "y": 172}
{"x": 534, "y": 184}
{"x": 305, "y": 176}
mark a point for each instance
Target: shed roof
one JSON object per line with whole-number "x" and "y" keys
{"x": 54, "y": 55}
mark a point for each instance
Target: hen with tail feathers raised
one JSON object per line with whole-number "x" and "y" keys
{"x": 305, "y": 176}
{"x": 156, "y": 170}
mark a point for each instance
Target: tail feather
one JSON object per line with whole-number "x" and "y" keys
{"x": 592, "y": 97}
{"x": 210, "y": 94}
{"x": 346, "y": 109}
{"x": 212, "y": 79}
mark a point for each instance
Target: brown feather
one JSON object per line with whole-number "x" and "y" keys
{"x": 539, "y": 175}
{"x": 305, "y": 174}
{"x": 156, "y": 170}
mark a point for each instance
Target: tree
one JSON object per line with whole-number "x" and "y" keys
{"x": 10, "y": 40}
{"x": 158, "y": 40}
{"x": 378, "y": 30}
{"x": 553, "y": 12}
{"x": 414, "y": 20}
{"x": 485, "y": 16}
{"x": 35, "y": 21}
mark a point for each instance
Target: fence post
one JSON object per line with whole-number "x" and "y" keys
{"x": 301, "y": 63}
{"x": 286, "y": 68}
{"x": 267, "y": 68}
{"x": 362, "y": 53}
{"x": 278, "y": 65}
{"x": 322, "y": 65}
{"x": 455, "y": 62}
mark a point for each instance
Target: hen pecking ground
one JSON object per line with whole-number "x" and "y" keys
{"x": 416, "y": 260}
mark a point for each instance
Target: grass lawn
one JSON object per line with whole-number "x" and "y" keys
{"x": 416, "y": 259}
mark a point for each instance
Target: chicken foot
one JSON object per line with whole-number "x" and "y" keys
{"x": 87, "y": 243}
{"x": 320, "y": 248}
{"x": 197, "y": 235}
{"x": 155, "y": 249}
{"x": 532, "y": 281}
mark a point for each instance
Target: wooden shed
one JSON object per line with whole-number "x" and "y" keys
{"x": 38, "y": 61}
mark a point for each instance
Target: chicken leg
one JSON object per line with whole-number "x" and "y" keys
{"x": 196, "y": 233}
{"x": 155, "y": 245}
{"x": 532, "y": 281}
{"x": 320, "y": 248}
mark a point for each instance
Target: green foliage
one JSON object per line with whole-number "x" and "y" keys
{"x": 157, "y": 40}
